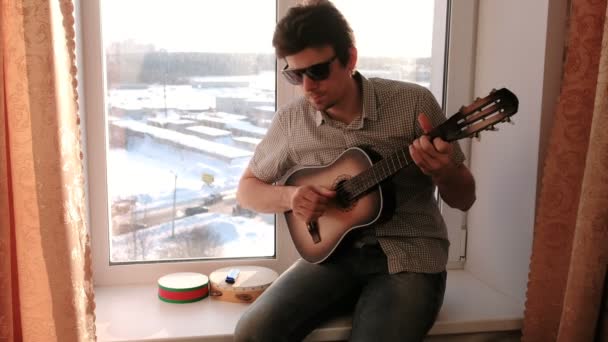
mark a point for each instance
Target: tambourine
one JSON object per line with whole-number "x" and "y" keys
{"x": 246, "y": 287}
{"x": 184, "y": 287}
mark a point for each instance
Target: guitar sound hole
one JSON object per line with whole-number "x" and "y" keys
{"x": 342, "y": 195}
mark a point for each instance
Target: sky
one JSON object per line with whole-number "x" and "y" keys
{"x": 394, "y": 28}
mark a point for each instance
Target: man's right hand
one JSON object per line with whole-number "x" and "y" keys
{"x": 309, "y": 202}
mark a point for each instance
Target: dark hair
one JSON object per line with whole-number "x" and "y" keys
{"x": 313, "y": 24}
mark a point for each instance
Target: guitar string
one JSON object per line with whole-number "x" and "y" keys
{"x": 381, "y": 164}
{"x": 356, "y": 179}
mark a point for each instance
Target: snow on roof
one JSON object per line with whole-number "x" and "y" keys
{"x": 212, "y": 119}
{"x": 248, "y": 140}
{"x": 247, "y": 127}
{"x": 171, "y": 120}
{"x": 219, "y": 117}
{"x": 230, "y": 116}
{"x": 185, "y": 140}
{"x": 266, "y": 108}
{"x": 185, "y": 97}
{"x": 210, "y": 131}
{"x": 159, "y": 97}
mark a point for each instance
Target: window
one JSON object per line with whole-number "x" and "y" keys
{"x": 178, "y": 93}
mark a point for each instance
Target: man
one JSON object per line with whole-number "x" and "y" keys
{"x": 391, "y": 273}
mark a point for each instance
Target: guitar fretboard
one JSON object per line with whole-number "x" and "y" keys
{"x": 374, "y": 175}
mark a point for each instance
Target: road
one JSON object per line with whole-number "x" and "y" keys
{"x": 128, "y": 221}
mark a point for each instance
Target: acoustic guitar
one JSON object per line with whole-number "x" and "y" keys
{"x": 356, "y": 178}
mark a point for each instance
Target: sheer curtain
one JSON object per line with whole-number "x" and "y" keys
{"x": 566, "y": 297}
{"x": 46, "y": 290}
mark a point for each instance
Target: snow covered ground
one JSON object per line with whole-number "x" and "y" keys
{"x": 151, "y": 168}
{"x": 208, "y": 235}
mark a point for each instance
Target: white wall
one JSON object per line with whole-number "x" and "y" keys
{"x": 519, "y": 46}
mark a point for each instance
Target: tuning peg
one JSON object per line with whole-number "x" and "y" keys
{"x": 492, "y": 128}
{"x": 493, "y": 91}
{"x": 477, "y": 136}
{"x": 508, "y": 120}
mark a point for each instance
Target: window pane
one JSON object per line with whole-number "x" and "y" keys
{"x": 190, "y": 92}
{"x": 397, "y": 41}
{"x": 405, "y": 43}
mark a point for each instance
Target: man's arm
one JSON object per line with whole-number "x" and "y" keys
{"x": 457, "y": 187}
{"x": 256, "y": 195}
{"x": 308, "y": 202}
{"x": 454, "y": 181}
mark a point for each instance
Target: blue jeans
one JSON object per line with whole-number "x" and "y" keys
{"x": 387, "y": 307}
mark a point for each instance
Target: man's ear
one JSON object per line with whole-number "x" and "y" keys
{"x": 352, "y": 61}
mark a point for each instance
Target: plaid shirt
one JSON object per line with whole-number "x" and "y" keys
{"x": 415, "y": 238}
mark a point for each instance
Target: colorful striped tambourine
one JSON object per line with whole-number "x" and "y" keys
{"x": 184, "y": 287}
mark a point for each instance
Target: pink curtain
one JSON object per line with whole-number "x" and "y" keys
{"x": 46, "y": 291}
{"x": 566, "y": 297}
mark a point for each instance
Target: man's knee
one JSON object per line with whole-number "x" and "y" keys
{"x": 245, "y": 330}
{"x": 254, "y": 328}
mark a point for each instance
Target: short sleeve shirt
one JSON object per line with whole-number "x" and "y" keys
{"x": 415, "y": 238}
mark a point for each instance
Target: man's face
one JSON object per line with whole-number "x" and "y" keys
{"x": 329, "y": 88}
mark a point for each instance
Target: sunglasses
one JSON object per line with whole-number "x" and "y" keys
{"x": 316, "y": 72}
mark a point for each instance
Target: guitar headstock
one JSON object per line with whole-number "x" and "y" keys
{"x": 483, "y": 114}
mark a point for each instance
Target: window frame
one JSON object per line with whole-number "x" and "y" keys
{"x": 458, "y": 91}
{"x": 91, "y": 59}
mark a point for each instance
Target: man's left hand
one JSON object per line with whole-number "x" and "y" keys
{"x": 432, "y": 157}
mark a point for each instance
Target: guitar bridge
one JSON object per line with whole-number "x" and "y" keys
{"x": 313, "y": 230}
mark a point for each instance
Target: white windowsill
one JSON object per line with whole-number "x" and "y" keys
{"x": 134, "y": 313}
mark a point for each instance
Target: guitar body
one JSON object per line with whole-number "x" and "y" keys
{"x": 338, "y": 220}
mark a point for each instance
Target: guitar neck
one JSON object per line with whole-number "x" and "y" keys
{"x": 383, "y": 169}
{"x": 482, "y": 114}
{"x": 377, "y": 173}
